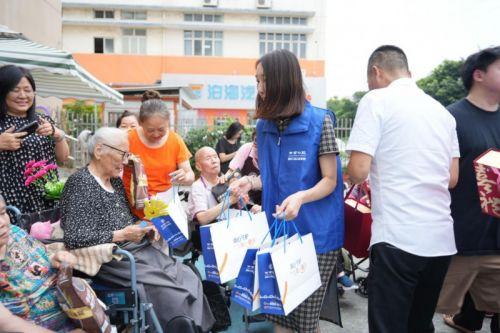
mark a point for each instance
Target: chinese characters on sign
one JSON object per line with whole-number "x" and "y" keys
{"x": 231, "y": 92}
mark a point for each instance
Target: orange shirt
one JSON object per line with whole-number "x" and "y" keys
{"x": 158, "y": 163}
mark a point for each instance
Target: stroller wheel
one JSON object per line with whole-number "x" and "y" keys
{"x": 362, "y": 287}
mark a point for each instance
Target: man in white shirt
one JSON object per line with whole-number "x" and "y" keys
{"x": 407, "y": 142}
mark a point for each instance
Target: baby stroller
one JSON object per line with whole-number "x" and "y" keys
{"x": 358, "y": 222}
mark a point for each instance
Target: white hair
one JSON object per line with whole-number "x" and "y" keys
{"x": 107, "y": 135}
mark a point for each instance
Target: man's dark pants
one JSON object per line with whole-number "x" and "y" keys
{"x": 472, "y": 319}
{"x": 403, "y": 290}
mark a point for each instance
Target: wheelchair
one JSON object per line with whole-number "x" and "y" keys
{"x": 124, "y": 306}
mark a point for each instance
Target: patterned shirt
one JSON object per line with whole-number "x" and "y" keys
{"x": 327, "y": 145}
{"x": 27, "y": 282}
{"x": 34, "y": 147}
{"x": 89, "y": 213}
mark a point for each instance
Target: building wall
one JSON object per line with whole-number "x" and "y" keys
{"x": 38, "y": 20}
{"x": 165, "y": 24}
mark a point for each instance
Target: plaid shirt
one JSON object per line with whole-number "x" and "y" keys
{"x": 327, "y": 145}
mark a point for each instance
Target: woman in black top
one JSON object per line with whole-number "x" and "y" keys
{"x": 17, "y": 108}
{"x": 228, "y": 145}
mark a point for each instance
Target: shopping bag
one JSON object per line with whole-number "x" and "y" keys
{"x": 358, "y": 222}
{"x": 246, "y": 290}
{"x": 138, "y": 183}
{"x": 296, "y": 270}
{"x": 330, "y": 309}
{"x": 166, "y": 213}
{"x": 232, "y": 237}
{"x": 207, "y": 248}
{"x": 487, "y": 168}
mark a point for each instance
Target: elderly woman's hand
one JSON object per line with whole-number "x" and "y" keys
{"x": 241, "y": 186}
{"x": 132, "y": 233}
{"x": 63, "y": 256}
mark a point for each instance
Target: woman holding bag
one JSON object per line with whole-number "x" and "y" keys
{"x": 300, "y": 171}
{"x": 163, "y": 152}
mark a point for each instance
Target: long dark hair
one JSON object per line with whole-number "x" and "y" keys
{"x": 285, "y": 95}
{"x": 10, "y": 76}
{"x": 233, "y": 129}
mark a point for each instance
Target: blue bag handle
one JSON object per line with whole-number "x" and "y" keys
{"x": 242, "y": 203}
{"x": 226, "y": 200}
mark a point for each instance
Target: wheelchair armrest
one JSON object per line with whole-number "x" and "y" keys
{"x": 133, "y": 271}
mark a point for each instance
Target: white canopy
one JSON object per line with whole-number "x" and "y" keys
{"x": 56, "y": 73}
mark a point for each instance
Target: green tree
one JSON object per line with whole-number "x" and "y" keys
{"x": 345, "y": 107}
{"x": 444, "y": 83}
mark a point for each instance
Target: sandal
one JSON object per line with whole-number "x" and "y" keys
{"x": 448, "y": 320}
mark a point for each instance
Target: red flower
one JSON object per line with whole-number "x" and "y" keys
{"x": 40, "y": 174}
{"x": 39, "y": 164}
{"x": 51, "y": 166}
{"x": 29, "y": 181}
{"x": 30, "y": 164}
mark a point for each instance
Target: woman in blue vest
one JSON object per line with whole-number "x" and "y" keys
{"x": 300, "y": 171}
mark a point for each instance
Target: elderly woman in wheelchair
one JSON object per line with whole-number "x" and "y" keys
{"x": 28, "y": 276}
{"x": 95, "y": 210}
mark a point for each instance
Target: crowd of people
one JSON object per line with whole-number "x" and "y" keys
{"x": 432, "y": 247}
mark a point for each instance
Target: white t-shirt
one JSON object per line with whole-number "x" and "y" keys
{"x": 412, "y": 139}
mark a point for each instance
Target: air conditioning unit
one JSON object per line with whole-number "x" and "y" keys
{"x": 210, "y": 3}
{"x": 264, "y": 3}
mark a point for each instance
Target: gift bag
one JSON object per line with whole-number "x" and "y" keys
{"x": 166, "y": 213}
{"x": 288, "y": 273}
{"x": 138, "y": 183}
{"x": 358, "y": 223}
{"x": 246, "y": 288}
{"x": 80, "y": 303}
{"x": 207, "y": 248}
{"x": 487, "y": 168}
{"x": 232, "y": 237}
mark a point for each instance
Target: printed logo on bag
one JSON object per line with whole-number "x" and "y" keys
{"x": 269, "y": 273}
{"x": 250, "y": 269}
{"x": 297, "y": 267}
{"x": 297, "y": 155}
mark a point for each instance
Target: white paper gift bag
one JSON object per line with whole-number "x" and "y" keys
{"x": 296, "y": 269}
{"x": 231, "y": 238}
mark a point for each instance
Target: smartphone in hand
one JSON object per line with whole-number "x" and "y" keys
{"x": 28, "y": 128}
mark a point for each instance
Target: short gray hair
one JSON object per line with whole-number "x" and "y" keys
{"x": 107, "y": 135}
{"x": 153, "y": 107}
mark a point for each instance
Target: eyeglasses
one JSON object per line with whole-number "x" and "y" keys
{"x": 125, "y": 154}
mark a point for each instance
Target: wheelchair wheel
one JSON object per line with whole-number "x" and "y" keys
{"x": 362, "y": 287}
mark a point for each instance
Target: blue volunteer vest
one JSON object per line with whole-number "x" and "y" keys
{"x": 289, "y": 163}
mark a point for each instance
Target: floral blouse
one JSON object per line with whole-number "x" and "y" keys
{"x": 28, "y": 283}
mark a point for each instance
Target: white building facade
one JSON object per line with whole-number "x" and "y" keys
{"x": 209, "y": 46}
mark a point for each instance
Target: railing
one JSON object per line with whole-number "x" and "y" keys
{"x": 75, "y": 124}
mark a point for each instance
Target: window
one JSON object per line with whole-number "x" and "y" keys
{"x": 134, "y": 15}
{"x": 134, "y": 41}
{"x": 295, "y": 43}
{"x": 286, "y": 20}
{"x": 203, "y": 43}
{"x": 101, "y": 14}
{"x": 202, "y": 18}
{"x": 104, "y": 45}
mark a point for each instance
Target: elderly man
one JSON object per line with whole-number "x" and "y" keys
{"x": 202, "y": 206}
{"x": 408, "y": 143}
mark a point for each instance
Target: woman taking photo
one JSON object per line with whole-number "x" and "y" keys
{"x": 299, "y": 172}
{"x": 228, "y": 145}
{"x": 163, "y": 152}
{"x": 17, "y": 109}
